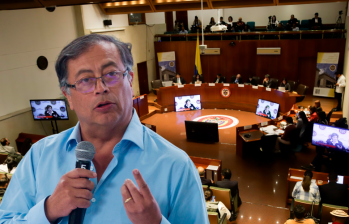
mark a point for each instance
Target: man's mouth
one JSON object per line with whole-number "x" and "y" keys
{"x": 103, "y": 104}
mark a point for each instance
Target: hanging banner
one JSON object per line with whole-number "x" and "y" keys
{"x": 325, "y": 78}
{"x": 167, "y": 65}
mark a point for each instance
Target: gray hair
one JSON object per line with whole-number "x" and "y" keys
{"x": 83, "y": 44}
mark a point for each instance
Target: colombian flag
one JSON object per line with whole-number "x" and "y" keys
{"x": 198, "y": 69}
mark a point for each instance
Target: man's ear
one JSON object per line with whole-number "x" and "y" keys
{"x": 131, "y": 74}
{"x": 63, "y": 89}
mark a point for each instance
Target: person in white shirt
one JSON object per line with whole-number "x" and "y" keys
{"x": 295, "y": 27}
{"x": 5, "y": 146}
{"x": 339, "y": 90}
{"x": 183, "y": 31}
{"x": 273, "y": 23}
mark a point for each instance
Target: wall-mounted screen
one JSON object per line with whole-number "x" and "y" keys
{"x": 49, "y": 109}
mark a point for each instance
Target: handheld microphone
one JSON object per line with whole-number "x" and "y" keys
{"x": 84, "y": 153}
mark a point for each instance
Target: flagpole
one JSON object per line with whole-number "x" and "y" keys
{"x": 202, "y": 19}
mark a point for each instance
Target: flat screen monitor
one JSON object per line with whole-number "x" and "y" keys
{"x": 331, "y": 137}
{"x": 49, "y": 109}
{"x": 267, "y": 109}
{"x": 201, "y": 131}
{"x": 186, "y": 103}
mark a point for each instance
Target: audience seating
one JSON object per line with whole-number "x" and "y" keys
{"x": 232, "y": 80}
{"x": 251, "y": 25}
{"x": 284, "y": 22}
{"x": 274, "y": 83}
{"x": 301, "y": 90}
{"x": 256, "y": 79}
{"x": 3, "y": 157}
{"x": 221, "y": 194}
{"x": 213, "y": 218}
{"x": 325, "y": 216}
{"x": 156, "y": 84}
{"x": 308, "y": 205}
{"x": 305, "y": 25}
{"x": 292, "y": 85}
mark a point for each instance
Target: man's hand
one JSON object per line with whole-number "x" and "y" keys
{"x": 337, "y": 84}
{"x": 72, "y": 191}
{"x": 140, "y": 204}
{"x": 212, "y": 181}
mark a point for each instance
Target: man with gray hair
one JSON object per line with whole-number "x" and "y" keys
{"x": 204, "y": 181}
{"x": 95, "y": 75}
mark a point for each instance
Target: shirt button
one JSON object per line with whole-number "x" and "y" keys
{"x": 93, "y": 200}
{"x": 91, "y": 168}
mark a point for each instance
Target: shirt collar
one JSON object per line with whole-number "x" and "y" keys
{"x": 133, "y": 133}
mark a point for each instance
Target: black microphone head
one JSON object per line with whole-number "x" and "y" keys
{"x": 85, "y": 151}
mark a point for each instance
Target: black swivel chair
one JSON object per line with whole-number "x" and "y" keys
{"x": 274, "y": 83}
{"x": 257, "y": 80}
{"x": 301, "y": 90}
{"x": 156, "y": 84}
{"x": 232, "y": 80}
{"x": 292, "y": 85}
{"x": 224, "y": 79}
{"x": 201, "y": 79}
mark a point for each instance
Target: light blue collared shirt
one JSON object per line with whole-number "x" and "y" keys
{"x": 168, "y": 171}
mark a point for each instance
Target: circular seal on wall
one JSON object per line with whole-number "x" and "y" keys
{"x": 342, "y": 131}
{"x": 62, "y": 109}
{"x": 223, "y": 121}
{"x": 322, "y": 127}
{"x": 37, "y": 102}
{"x": 33, "y": 109}
{"x": 225, "y": 92}
{"x": 333, "y": 68}
{"x": 171, "y": 64}
{"x": 314, "y": 133}
{"x": 53, "y": 102}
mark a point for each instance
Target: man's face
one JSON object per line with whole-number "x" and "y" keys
{"x": 240, "y": 19}
{"x": 221, "y": 19}
{"x": 292, "y": 17}
{"x": 178, "y": 76}
{"x": 104, "y": 106}
{"x": 267, "y": 79}
{"x": 7, "y": 141}
{"x": 238, "y": 76}
{"x": 267, "y": 109}
{"x": 316, "y": 16}
{"x": 188, "y": 103}
{"x": 334, "y": 138}
{"x": 50, "y": 109}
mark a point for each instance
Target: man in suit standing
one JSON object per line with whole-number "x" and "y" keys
{"x": 204, "y": 181}
{"x": 179, "y": 80}
{"x": 227, "y": 183}
{"x": 219, "y": 79}
{"x": 316, "y": 22}
{"x": 333, "y": 193}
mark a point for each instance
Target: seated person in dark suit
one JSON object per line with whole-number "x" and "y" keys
{"x": 333, "y": 193}
{"x": 333, "y": 141}
{"x": 219, "y": 79}
{"x": 266, "y": 81}
{"x": 292, "y": 21}
{"x": 189, "y": 105}
{"x": 316, "y": 22}
{"x": 285, "y": 84}
{"x": 227, "y": 183}
{"x": 279, "y": 27}
{"x": 240, "y": 24}
{"x": 237, "y": 79}
{"x": 251, "y": 81}
{"x": 179, "y": 80}
{"x": 221, "y": 22}
{"x": 198, "y": 78}
{"x": 204, "y": 181}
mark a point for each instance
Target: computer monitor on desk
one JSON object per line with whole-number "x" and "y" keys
{"x": 281, "y": 88}
{"x": 201, "y": 131}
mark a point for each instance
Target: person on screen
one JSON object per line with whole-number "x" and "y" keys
{"x": 266, "y": 112}
{"x": 50, "y": 112}
{"x": 189, "y": 105}
{"x": 333, "y": 140}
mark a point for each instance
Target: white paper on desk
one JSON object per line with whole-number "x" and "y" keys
{"x": 260, "y": 85}
{"x": 288, "y": 113}
{"x": 241, "y": 85}
{"x": 210, "y": 167}
{"x": 280, "y": 118}
{"x": 254, "y": 87}
{"x": 297, "y": 178}
{"x": 197, "y": 84}
{"x": 3, "y": 168}
{"x": 211, "y": 84}
{"x": 268, "y": 89}
{"x": 141, "y": 97}
{"x": 281, "y": 90}
{"x": 180, "y": 86}
{"x": 226, "y": 84}
{"x": 279, "y": 131}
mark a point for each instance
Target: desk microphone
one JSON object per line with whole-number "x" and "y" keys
{"x": 84, "y": 152}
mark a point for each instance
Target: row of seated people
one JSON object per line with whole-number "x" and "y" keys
{"x": 302, "y": 216}
{"x": 211, "y": 203}
{"x": 240, "y": 25}
{"x": 331, "y": 193}
{"x": 267, "y": 82}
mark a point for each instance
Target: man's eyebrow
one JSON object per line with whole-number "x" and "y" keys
{"x": 83, "y": 71}
{"x": 111, "y": 63}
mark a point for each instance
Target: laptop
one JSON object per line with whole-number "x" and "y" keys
{"x": 282, "y": 88}
{"x": 167, "y": 83}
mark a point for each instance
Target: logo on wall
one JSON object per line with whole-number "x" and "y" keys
{"x": 275, "y": 111}
{"x": 322, "y": 127}
{"x": 342, "y": 131}
{"x": 62, "y": 109}
{"x": 223, "y": 121}
{"x": 314, "y": 133}
{"x": 37, "y": 102}
{"x": 333, "y": 68}
{"x": 33, "y": 109}
{"x": 53, "y": 102}
{"x": 225, "y": 92}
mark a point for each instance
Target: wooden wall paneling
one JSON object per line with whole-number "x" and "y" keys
{"x": 169, "y": 21}
{"x": 182, "y": 16}
{"x": 288, "y": 60}
{"x": 306, "y": 72}
{"x": 245, "y": 58}
{"x": 308, "y": 48}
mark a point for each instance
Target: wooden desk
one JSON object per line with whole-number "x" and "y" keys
{"x": 22, "y": 136}
{"x": 291, "y": 182}
{"x": 242, "y": 98}
{"x": 256, "y": 135}
{"x": 140, "y": 103}
{"x": 205, "y": 162}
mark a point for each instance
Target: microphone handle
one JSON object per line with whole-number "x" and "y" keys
{"x": 77, "y": 215}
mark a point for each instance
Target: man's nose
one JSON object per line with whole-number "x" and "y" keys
{"x": 101, "y": 87}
